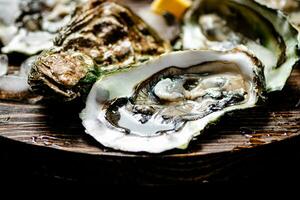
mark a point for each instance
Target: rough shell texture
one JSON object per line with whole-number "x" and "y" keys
{"x": 101, "y": 37}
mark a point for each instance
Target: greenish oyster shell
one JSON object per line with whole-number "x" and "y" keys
{"x": 101, "y": 38}
{"x": 222, "y": 25}
{"x": 164, "y": 103}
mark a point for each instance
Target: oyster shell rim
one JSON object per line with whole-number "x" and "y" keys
{"x": 90, "y": 119}
{"x": 277, "y": 76}
{"x": 44, "y": 84}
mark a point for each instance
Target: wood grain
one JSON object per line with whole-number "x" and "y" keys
{"x": 46, "y": 136}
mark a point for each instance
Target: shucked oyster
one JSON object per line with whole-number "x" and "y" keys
{"x": 163, "y": 104}
{"x": 222, "y": 25}
{"x": 101, "y": 37}
{"x": 28, "y": 26}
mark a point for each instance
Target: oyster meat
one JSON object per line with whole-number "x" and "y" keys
{"x": 101, "y": 37}
{"x": 29, "y": 26}
{"x": 164, "y": 103}
{"x": 222, "y": 25}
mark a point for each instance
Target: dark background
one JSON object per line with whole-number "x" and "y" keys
{"x": 21, "y": 163}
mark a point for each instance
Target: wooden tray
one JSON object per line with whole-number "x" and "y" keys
{"x": 51, "y": 142}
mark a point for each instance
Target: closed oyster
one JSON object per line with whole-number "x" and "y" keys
{"x": 166, "y": 102}
{"x": 102, "y": 37}
{"x": 222, "y": 25}
{"x": 29, "y": 26}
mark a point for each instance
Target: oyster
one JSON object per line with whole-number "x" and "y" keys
{"x": 100, "y": 38}
{"x": 28, "y": 26}
{"x": 285, "y": 5}
{"x": 167, "y": 29}
{"x": 3, "y": 64}
{"x": 164, "y": 103}
{"x": 222, "y": 25}
{"x": 290, "y": 7}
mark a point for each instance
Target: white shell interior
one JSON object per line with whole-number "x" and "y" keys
{"x": 122, "y": 84}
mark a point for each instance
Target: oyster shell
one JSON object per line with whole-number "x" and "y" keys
{"x": 29, "y": 26}
{"x": 222, "y": 25}
{"x": 285, "y": 5}
{"x": 167, "y": 31}
{"x": 166, "y": 102}
{"x": 290, "y": 7}
{"x": 100, "y": 38}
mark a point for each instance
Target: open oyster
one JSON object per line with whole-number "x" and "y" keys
{"x": 28, "y": 26}
{"x": 222, "y": 25}
{"x": 101, "y": 37}
{"x": 164, "y": 103}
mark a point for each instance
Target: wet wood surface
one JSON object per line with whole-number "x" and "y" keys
{"x": 50, "y": 141}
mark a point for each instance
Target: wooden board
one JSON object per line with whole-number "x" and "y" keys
{"x": 49, "y": 135}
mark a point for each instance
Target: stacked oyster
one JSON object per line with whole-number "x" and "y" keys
{"x": 101, "y": 38}
{"x": 27, "y": 27}
{"x": 144, "y": 98}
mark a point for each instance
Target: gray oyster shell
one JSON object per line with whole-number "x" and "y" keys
{"x": 102, "y": 37}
